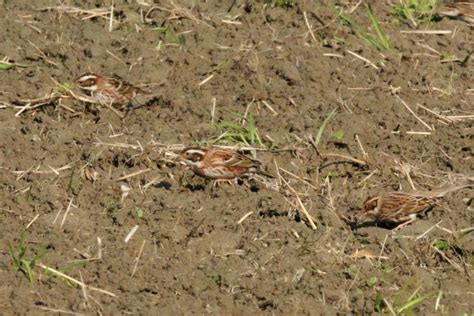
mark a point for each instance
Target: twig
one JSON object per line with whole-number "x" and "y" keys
{"x": 243, "y": 218}
{"x": 428, "y": 230}
{"x": 134, "y": 174}
{"x": 414, "y": 114}
{"x": 362, "y": 58}
{"x": 137, "y": 259}
{"x": 131, "y": 233}
{"x": 430, "y": 32}
{"x": 32, "y": 221}
{"x": 67, "y": 277}
{"x": 66, "y": 213}
{"x": 303, "y": 208}
{"x": 310, "y": 30}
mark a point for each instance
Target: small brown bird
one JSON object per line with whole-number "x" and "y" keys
{"x": 460, "y": 10}
{"x": 401, "y": 209}
{"x": 108, "y": 91}
{"x": 219, "y": 164}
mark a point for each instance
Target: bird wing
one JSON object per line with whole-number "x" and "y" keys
{"x": 402, "y": 205}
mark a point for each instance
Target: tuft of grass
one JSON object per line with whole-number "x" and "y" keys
{"x": 170, "y": 38}
{"x": 285, "y": 4}
{"x": 245, "y": 133}
{"x": 415, "y": 11}
{"x": 19, "y": 257}
{"x": 454, "y": 246}
{"x": 380, "y": 41}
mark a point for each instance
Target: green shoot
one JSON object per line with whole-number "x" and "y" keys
{"x": 170, "y": 38}
{"x": 339, "y": 134}
{"x": 285, "y": 4}
{"x": 382, "y": 38}
{"x": 19, "y": 258}
{"x": 372, "y": 281}
{"x": 464, "y": 232}
{"x": 379, "y": 303}
{"x": 441, "y": 244}
{"x": 323, "y": 126}
{"x": 5, "y": 64}
{"x": 380, "y": 41}
{"x": 412, "y": 302}
{"x": 235, "y": 133}
{"x": 140, "y": 213}
{"x": 344, "y": 18}
{"x": 416, "y": 11}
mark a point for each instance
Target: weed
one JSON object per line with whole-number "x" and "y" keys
{"x": 445, "y": 245}
{"x": 412, "y": 301}
{"x": 170, "y": 38}
{"x": 140, "y": 213}
{"x": 285, "y": 4}
{"x": 320, "y": 132}
{"x": 379, "y": 304}
{"x": 339, "y": 134}
{"x": 5, "y": 64}
{"x": 383, "y": 42}
{"x": 416, "y": 11}
{"x": 19, "y": 258}
{"x": 246, "y": 134}
{"x": 343, "y": 18}
{"x": 372, "y": 281}
{"x": 380, "y": 41}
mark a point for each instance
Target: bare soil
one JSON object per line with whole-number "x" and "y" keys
{"x": 62, "y": 164}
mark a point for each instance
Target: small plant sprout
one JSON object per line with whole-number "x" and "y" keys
{"x": 339, "y": 134}
{"x": 415, "y": 11}
{"x": 20, "y": 261}
{"x": 380, "y": 41}
{"x": 321, "y": 129}
{"x": 412, "y": 302}
{"x": 6, "y": 64}
{"x": 171, "y": 39}
{"x": 285, "y": 4}
{"x": 245, "y": 133}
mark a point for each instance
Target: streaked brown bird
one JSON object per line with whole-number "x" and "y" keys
{"x": 401, "y": 209}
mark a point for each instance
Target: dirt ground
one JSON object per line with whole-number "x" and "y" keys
{"x": 76, "y": 180}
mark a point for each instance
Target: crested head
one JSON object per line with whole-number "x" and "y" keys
{"x": 193, "y": 155}
{"x": 88, "y": 81}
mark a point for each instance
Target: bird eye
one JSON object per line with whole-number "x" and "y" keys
{"x": 88, "y": 82}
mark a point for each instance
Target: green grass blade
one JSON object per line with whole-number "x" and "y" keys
{"x": 6, "y": 66}
{"x": 323, "y": 126}
{"x": 384, "y": 41}
{"x": 408, "y": 306}
{"x": 16, "y": 260}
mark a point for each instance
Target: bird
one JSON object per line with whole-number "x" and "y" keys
{"x": 110, "y": 91}
{"x": 400, "y": 208}
{"x": 459, "y": 10}
{"x": 220, "y": 164}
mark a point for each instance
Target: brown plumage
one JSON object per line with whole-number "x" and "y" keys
{"x": 460, "y": 10}
{"x": 398, "y": 208}
{"x": 108, "y": 90}
{"x": 220, "y": 164}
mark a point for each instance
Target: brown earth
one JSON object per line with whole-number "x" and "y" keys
{"x": 190, "y": 254}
